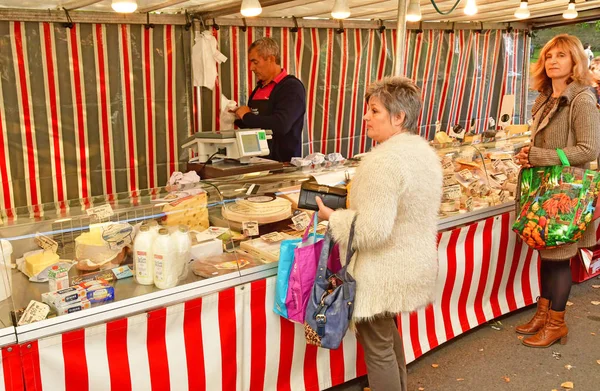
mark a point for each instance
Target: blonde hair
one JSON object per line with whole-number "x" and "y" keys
{"x": 398, "y": 95}
{"x": 580, "y": 72}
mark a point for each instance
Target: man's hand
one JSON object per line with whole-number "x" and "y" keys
{"x": 242, "y": 111}
{"x": 324, "y": 211}
{"x": 522, "y": 158}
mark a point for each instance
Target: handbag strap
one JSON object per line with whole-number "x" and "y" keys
{"x": 314, "y": 225}
{"x": 571, "y": 135}
{"x": 563, "y": 158}
{"x": 327, "y": 247}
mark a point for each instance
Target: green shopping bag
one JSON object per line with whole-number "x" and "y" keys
{"x": 556, "y": 204}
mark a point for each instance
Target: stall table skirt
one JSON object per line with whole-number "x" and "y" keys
{"x": 232, "y": 340}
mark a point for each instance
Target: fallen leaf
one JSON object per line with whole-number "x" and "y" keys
{"x": 434, "y": 365}
{"x": 568, "y": 385}
{"x": 496, "y": 328}
{"x": 569, "y": 367}
{"x": 460, "y": 379}
{"x": 481, "y": 350}
{"x": 520, "y": 337}
{"x": 569, "y": 303}
{"x": 595, "y": 286}
{"x": 598, "y": 361}
{"x": 593, "y": 333}
{"x": 596, "y": 302}
{"x": 421, "y": 389}
{"x": 506, "y": 379}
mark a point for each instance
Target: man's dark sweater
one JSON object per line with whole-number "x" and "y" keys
{"x": 283, "y": 113}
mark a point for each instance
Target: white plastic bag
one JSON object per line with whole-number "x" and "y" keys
{"x": 227, "y": 118}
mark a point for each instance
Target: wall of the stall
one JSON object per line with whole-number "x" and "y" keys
{"x": 95, "y": 109}
{"x": 463, "y": 76}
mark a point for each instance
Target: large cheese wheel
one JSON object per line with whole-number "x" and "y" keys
{"x": 191, "y": 211}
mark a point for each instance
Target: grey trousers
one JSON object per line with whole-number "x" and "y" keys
{"x": 384, "y": 353}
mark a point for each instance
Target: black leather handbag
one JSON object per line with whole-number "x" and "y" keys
{"x": 333, "y": 197}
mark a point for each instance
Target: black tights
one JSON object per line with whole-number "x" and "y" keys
{"x": 556, "y": 283}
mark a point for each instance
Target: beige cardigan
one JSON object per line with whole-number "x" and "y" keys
{"x": 552, "y": 133}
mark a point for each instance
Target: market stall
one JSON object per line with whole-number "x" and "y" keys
{"x": 98, "y": 111}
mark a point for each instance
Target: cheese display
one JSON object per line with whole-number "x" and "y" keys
{"x": 35, "y": 263}
{"x": 93, "y": 252}
{"x": 266, "y": 251}
{"x": 263, "y": 209}
{"x": 191, "y": 211}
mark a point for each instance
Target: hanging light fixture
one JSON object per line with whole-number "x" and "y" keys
{"x": 250, "y": 8}
{"x": 522, "y": 12}
{"x": 340, "y": 10}
{"x": 471, "y": 7}
{"x": 124, "y": 6}
{"x": 571, "y": 12}
{"x": 413, "y": 13}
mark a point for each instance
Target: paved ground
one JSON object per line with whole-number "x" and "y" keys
{"x": 488, "y": 359}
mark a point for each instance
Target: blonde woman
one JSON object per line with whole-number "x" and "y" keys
{"x": 563, "y": 80}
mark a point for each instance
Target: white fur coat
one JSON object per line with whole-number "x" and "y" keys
{"x": 395, "y": 194}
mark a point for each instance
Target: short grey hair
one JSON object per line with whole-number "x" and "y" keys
{"x": 398, "y": 95}
{"x": 266, "y": 47}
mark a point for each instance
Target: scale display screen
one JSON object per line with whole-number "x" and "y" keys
{"x": 250, "y": 143}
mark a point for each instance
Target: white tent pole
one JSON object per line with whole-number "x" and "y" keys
{"x": 400, "y": 38}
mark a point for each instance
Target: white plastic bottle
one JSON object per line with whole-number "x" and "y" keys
{"x": 143, "y": 259}
{"x": 183, "y": 245}
{"x": 165, "y": 261}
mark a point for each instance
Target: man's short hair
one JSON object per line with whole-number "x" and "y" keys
{"x": 398, "y": 95}
{"x": 266, "y": 47}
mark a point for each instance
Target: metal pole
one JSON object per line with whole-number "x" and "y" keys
{"x": 400, "y": 38}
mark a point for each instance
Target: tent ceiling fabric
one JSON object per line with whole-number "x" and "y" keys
{"x": 489, "y": 10}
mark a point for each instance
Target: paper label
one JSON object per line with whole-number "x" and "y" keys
{"x": 447, "y": 163}
{"x": 301, "y": 221}
{"x": 122, "y": 272}
{"x": 450, "y": 179}
{"x": 469, "y": 204}
{"x": 141, "y": 265}
{"x": 46, "y": 243}
{"x": 34, "y": 312}
{"x": 118, "y": 235}
{"x": 159, "y": 267}
{"x": 273, "y": 237}
{"x": 498, "y": 165}
{"x": 451, "y": 193}
{"x": 101, "y": 212}
{"x": 466, "y": 174}
{"x": 250, "y": 228}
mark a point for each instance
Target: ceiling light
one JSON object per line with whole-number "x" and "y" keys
{"x": 471, "y": 7}
{"x": 340, "y": 9}
{"x": 250, "y": 8}
{"x": 571, "y": 12}
{"x": 522, "y": 12}
{"x": 124, "y": 6}
{"x": 413, "y": 13}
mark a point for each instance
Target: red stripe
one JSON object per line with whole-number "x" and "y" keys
{"x": 312, "y": 89}
{"x": 406, "y": 45}
{"x": 413, "y": 322}
{"x": 381, "y": 67}
{"x": 285, "y": 44}
{"x": 80, "y": 117}
{"x": 361, "y": 366}
{"x": 258, "y": 341}
{"x": 236, "y": 74}
{"x": 510, "y": 284}
{"x": 425, "y": 82}
{"x": 73, "y": 351}
{"x": 3, "y": 170}
{"x": 472, "y": 100}
{"x": 446, "y": 76}
{"x": 11, "y": 366}
{"x": 353, "y": 116}
{"x": 128, "y": 109}
{"x": 430, "y": 323}
{"x": 267, "y": 31}
{"x": 298, "y": 52}
{"x": 461, "y": 78}
{"x": 106, "y": 147}
{"x": 526, "y": 278}
{"x": 485, "y": 269}
{"x": 118, "y": 357}
{"x": 342, "y": 94}
{"x": 367, "y": 81}
{"x": 469, "y": 270}
{"x": 194, "y": 348}
{"x": 228, "y": 336}
{"x": 503, "y": 90}
{"x": 484, "y": 68}
{"x": 493, "y": 75}
{"x": 217, "y": 89}
{"x": 336, "y": 364}
{"x": 30, "y": 358}
{"x": 449, "y": 285}
{"x": 248, "y": 43}
{"x": 286, "y": 354}
{"x": 451, "y": 114}
{"x": 418, "y": 46}
{"x": 149, "y": 110}
{"x": 157, "y": 350}
{"x": 196, "y": 109}
{"x": 27, "y": 115}
{"x": 170, "y": 97}
{"x": 55, "y": 136}
{"x": 311, "y": 375}
{"x": 433, "y": 93}
{"x": 327, "y": 91}
{"x": 499, "y": 272}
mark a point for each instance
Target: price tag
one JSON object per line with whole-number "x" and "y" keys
{"x": 469, "y": 204}
{"x": 451, "y": 193}
{"x": 447, "y": 163}
{"x": 450, "y": 179}
{"x": 466, "y": 174}
{"x": 301, "y": 221}
{"x": 476, "y": 139}
{"x": 498, "y": 165}
{"x": 250, "y": 228}
{"x": 101, "y": 212}
{"x": 46, "y": 243}
{"x": 118, "y": 235}
{"x": 273, "y": 237}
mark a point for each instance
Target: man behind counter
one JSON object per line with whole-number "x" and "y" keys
{"x": 278, "y": 102}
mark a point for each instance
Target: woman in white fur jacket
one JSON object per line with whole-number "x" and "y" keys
{"x": 395, "y": 196}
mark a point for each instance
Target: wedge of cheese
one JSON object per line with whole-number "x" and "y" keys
{"x": 190, "y": 211}
{"x": 35, "y": 263}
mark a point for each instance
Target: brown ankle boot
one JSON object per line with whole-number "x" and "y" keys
{"x": 538, "y": 320}
{"x": 555, "y": 329}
